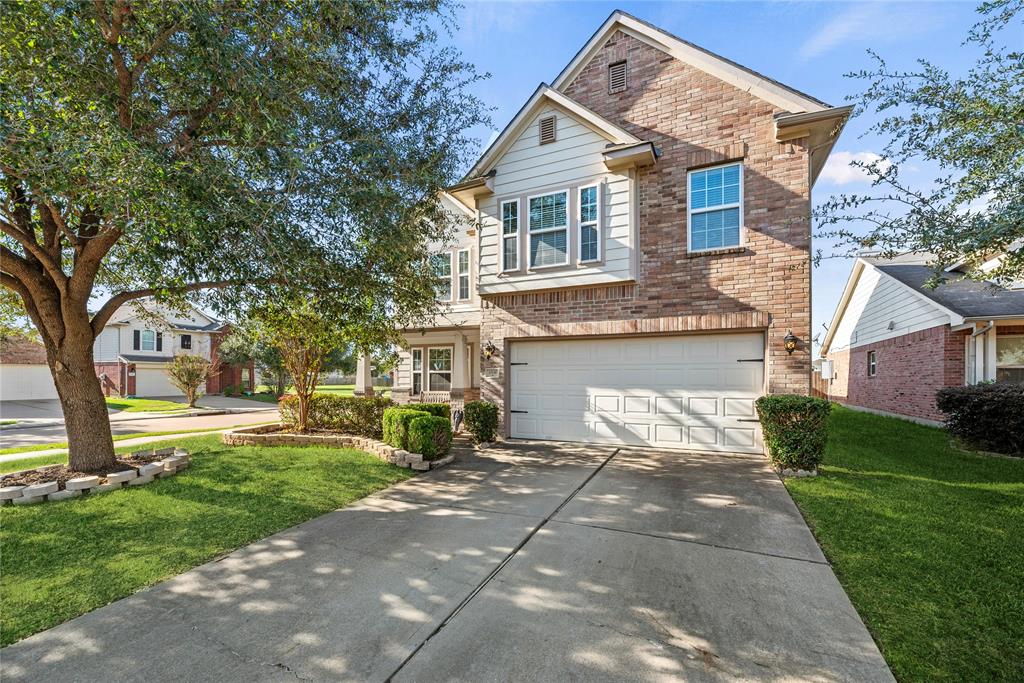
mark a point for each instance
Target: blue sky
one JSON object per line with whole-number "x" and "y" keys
{"x": 807, "y": 45}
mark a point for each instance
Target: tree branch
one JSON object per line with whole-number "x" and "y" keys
{"x": 32, "y": 247}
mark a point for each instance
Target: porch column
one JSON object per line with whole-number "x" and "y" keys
{"x": 459, "y": 368}
{"x": 364, "y": 381}
{"x": 990, "y": 353}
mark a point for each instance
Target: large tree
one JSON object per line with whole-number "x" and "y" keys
{"x": 162, "y": 148}
{"x": 970, "y": 129}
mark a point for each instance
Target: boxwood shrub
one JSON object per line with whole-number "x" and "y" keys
{"x": 795, "y": 429}
{"x": 439, "y": 409}
{"x": 358, "y": 415}
{"x": 985, "y": 416}
{"x": 482, "y": 420}
{"x": 395, "y": 424}
{"x": 430, "y": 435}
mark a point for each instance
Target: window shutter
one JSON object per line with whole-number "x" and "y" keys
{"x": 617, "y": 77}
{"x": 159, "y": 341}
{"x": 136, "y": 340}
{"x": 547, "y": 130}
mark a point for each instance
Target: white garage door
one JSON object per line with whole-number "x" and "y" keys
{"x": 690, "y": 392}
{"x": 26, "y": 383}
{"x": 153, "y": 382}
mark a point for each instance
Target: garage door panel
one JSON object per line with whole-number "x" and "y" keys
{"x": 154, "y": 382}
{"x": 679, "y": 392}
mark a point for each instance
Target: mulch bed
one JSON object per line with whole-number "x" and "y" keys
{"x": 61, "y": 473}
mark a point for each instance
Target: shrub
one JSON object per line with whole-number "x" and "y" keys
{"x": 396, "y": 425}
{"x": 795, "y": 429}
{"x": 482, "y": 420}
{"x": 985, "y": 416}
{"x": 439, "y": 409}
{"x": 430, "y": 435}
{"x": 359, "y": 415}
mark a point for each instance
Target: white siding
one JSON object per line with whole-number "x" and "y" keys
{"x": 26, "y": 383}
{"x": 455, "y": 312}
{"x": 107, "y": 345}
{"x": 527, "y": 168}
{"x": 877, "y": 301}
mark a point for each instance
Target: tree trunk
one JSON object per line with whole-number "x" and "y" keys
{"x": 90, "y": 445}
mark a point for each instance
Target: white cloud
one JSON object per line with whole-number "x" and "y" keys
{"x": 838, "y": 170}
{"x": 871, "y": 22}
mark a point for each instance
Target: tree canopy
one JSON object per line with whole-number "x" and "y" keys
{"x": 971, "y": 128}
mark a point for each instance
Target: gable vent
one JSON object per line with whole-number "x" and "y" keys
{"x": 617, "y": 77}
{"x": 547, "y": 130}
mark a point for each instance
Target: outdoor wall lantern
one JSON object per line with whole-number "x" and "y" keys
{"x": 789, "y": 342}
{"x": 490, "y": 350}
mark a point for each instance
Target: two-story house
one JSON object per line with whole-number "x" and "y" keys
{"x": 133, "y": 351}
{"x": 638, "y": 270}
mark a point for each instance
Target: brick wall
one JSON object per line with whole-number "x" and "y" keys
{"x": 910, "y": 369}
{"x": 694, "y": 119}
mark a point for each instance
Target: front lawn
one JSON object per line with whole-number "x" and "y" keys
{"x": 63, "y": 559}
{"x": 143, "y": 405}
{"x": 929, "y": 544}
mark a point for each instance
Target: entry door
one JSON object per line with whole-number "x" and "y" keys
{"x": 689, "y": 392}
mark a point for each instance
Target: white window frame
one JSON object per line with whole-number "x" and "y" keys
{"x": 1010, "y": 365}
{"x": 459, "y": 275}
{"x": 152, "y": 340}
{"x": 451, "y": 272}
{"x": 721, "y": 207}
{"x": 510, "y": 236}
{"x": 872, "y": 363}
{"x": 449, "y": 371}
{"x": 530, "y": 233}
{"x": 596, "y": 224}
{"x": 416, "y": 373}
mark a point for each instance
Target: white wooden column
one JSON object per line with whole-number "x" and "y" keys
{"x": 364, "y": 381}
{"x": 459, "y": 367}
{"x": 990, "y": 353}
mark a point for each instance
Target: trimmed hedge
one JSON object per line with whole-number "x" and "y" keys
{"x": 430, "y": 435}
{"x": 358, "y": 415}
{"x": 985, "y": 416}
{"x": 439, "y": 409}
{"x": 482, "y": 420}
{"x": 795, "y": 429}
{"x": 395, "y": 424}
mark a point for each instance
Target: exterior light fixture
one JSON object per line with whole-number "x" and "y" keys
{"x": 789, "y": 342}
{"x": 489, "y": 350}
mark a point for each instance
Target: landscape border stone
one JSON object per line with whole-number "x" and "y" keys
{"x": 273, "y": 435}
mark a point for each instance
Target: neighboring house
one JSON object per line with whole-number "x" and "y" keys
{"x": 24, "y": 372}
{"x": 893, "y": 341}
{"x": 640, "y": 251}
{"x": 133, "y": 351}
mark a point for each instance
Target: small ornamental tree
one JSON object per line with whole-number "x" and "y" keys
{"x": 189, "y": 373}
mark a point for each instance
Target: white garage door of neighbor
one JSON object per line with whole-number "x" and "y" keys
{"x": 26, "y": 383}
{"x": 153, "y": 382}
{"x": 689, "y": 392}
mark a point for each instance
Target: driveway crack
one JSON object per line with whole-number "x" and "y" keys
{"x": 224, "y": 647}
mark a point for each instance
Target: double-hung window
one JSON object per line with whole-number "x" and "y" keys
{"x": 417, "y": 372}
{"x": 715, "y": 207}
{"x": 439, "y": 369}
{"x": 462, "y": 256}
{"x": 148, "y": 340}
{"x": 442, "y": 265}
{"x": 510, "y": 235}
{"x": 548, "y": 226}
{"x": 590, "y": 226}
{"x": 872, "y": 363}
{"x": 1010, "y": 358}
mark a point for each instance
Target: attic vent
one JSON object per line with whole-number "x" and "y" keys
{"x": 617, "y": 77}
{"x": 547, "y": 130}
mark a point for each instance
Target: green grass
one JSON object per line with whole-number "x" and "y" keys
{"x": 928, "y": 542}
{"x": 117, "y": 437}
{"x": 8, "y": 422}
{"x": 143, "y": 405}
{"x": 64, "y": 559}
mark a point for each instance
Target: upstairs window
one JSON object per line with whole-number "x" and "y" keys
{"x": 148, "y": 340}
{"x": 463, "y": 265}
{"x": 186, "y": 341}
{"x": 617, "y": 77}
{"x": 547, "y": 130}
{"x": 547, "y": 223}
{"x": 590, "y": 228}
{"x": 442, "y": 265}
{"x": 510, "y": 235}
{"x": 715, "y": 207}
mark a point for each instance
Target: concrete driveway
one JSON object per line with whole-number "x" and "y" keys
{"x": 533, "y": 563}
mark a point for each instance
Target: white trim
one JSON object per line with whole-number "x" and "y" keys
{"x": 451, "y": 275}
{"x": 596, "y": 223}
{"x": 530, "y": 233}
{"x": 142, "y": 340}
{"x": 774, "y": 93}
{"x": 709, "y": 209}
{"x": 458, "y": 274}
{"x": 516, "y": 235}
{"x": 872, "y": 358}
{"x": 413, "y": 372}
